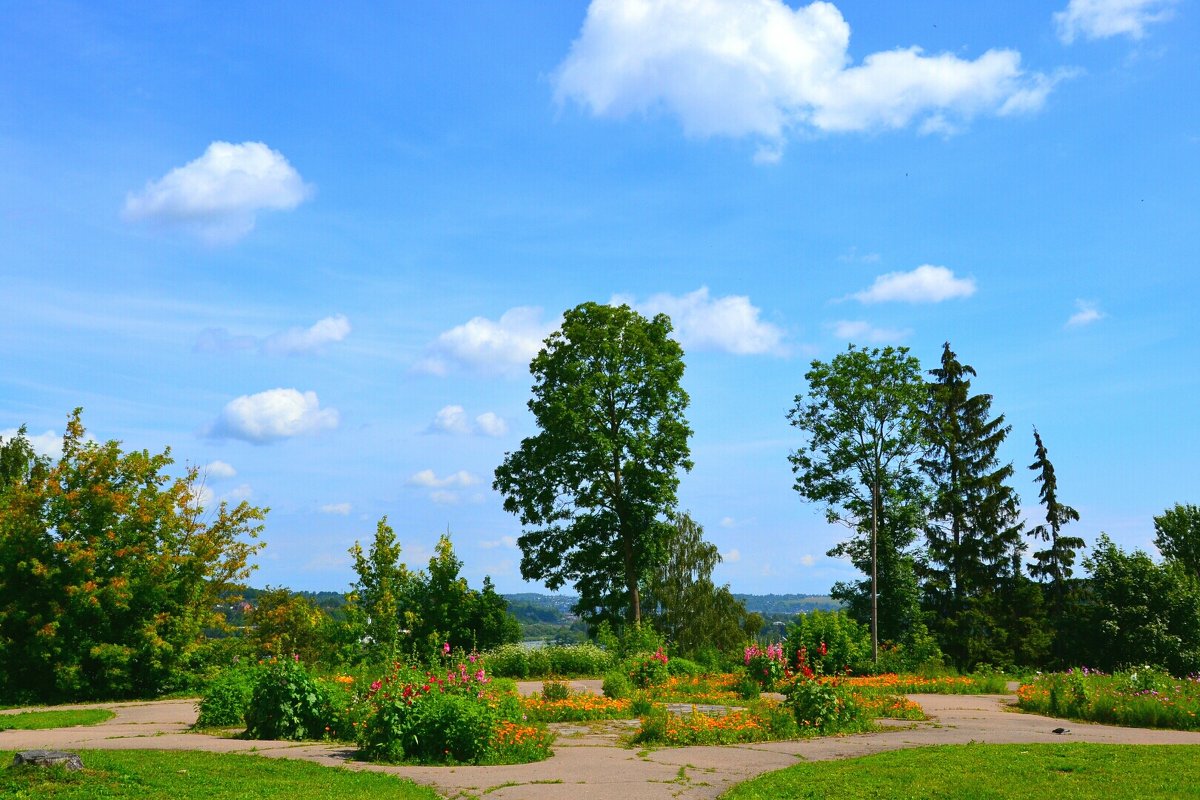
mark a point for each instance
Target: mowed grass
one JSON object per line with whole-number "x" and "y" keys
{"x": 991, "y": 772}
{"x": 41, "y": 720}
{"x": 158, "y": 775}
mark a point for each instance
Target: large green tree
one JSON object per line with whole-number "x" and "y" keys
{"x": 595, "y": 488}
{"x": 110, "y": 570}
{"x": 383, "y": 600}
{"x": 973, "y": 526}
{"x": 686, "y": 606}
{"x": 862, "y": 417}
{"x": 1177, "y": 536}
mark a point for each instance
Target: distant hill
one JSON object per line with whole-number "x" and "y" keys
{"x": 787, "y": 604}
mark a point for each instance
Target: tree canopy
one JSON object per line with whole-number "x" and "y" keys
{"x": 596, "y": 487}
{"x": 110, "y": 570}
{"x": 862, "y": 417}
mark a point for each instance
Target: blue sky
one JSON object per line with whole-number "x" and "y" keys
{"x": 312, "y": 247}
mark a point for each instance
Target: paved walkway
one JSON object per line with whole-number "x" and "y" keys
{"x": 588, "y": 761}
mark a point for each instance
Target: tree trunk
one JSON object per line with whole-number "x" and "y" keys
{"x": 875, "y": 571}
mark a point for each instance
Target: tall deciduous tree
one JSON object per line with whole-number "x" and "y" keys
{"x": 687, "y": 607}
{"x": 973, "y": 525}
{"x": 862, "y": 415}
{"x": 1177, "y": 536}
{"x": 1054, "y": 563}
{"x": 596, "y": 487}
{"x": 382, "y": 601}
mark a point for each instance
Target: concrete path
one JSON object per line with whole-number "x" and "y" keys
{"x": 588, "y": 760}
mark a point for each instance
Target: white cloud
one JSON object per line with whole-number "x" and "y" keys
{"x": 429, "y": 479}
{"x": 861, "y": 331}
{"x": 272, "y": 415}
{"x": 761, "y": 68}
{"x": 219, "y": 469}
{"x": 505, "y": 346}
{"x": 219, "y": 195}
{"x": 503, "y": 541}
{"x": 290, "y": 342}
{"x": 727, "y": 323}
{"x": 1102, "y": 19}
{"x": 295, "y": 341}
{"x": 341, "y": 509}
{"x": 453, "y": 419}
{"x": 728, "y": 522}
{"x": 732, "y": 556}
{"x": 48, "y": 444}
{"x": 925, "y": 284}
{"x": 491, "y": 424}
{"x": 807, "y": 560}
{"x": 239, "y": 493}
{"x": 1086, "y": 313}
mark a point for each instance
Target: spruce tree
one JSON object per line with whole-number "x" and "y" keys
{"x": 973, "y": 530}
{"x": 1054, "y": 563}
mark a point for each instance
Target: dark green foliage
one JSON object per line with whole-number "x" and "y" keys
{"x": 616, "y": 685}
{"x": 110, "y": 571}
{"x": 1141, "y": 612}
{"x": 227, "y": 698}
{"x": 1054, "y": 563}
{"x": 684, "y": 604}
{"x": 973, "y": 527}
{"x": 287, "y": 703}
{"x": 402, "y": 612}
{"x": 862, "y": 417}
{"x": 515, "y": 661}
{"x": 1177, "y": 536}
{"x": 596, "y": 486}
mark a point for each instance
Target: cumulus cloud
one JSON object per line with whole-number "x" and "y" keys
{"x": 273, "y": 415}
{"x": 296, "y": 341}
{"x": 732, "y": 556}
{"x": 503, "y": 541}
{"x": 453, "y": 419}
{"x": 291, "y": 342}
{"x": 925, "y": 284}
{"x": 48, "y": 444}
{"x": 503, "y": 346}
{"x": 1086, "y": 312}
{"x": 807, "y": 560}
{"x": 861, "y": 331}
{"x": 218, "y": 196}
{"x": 727, "y": 323}
{"x": 341, "y": 509}
{"x": 1103, "y": 19}
{"x": 491, "y": 424}
{"x": 219, "y": 469}
{"x": 429, "y": 479}
{"x": 762, "y": 69}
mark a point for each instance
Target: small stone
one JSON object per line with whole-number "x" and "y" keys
{"x": 48, "y": 758}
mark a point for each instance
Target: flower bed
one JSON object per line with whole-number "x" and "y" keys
{"x": 576, "y": 707}
{"x": 1144, "y": 697}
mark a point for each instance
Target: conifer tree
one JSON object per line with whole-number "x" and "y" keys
{"x": 973, "y": 529}
{"x": 1054, "y": 563}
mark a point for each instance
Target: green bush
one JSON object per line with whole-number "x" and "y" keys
{"x": 682, "y": 666}
{"x": 649, "y": 670}
{"x": 287, "y": 703}
{"x": 227, "y": 698}
{"x": 748, "y": 687}
{"x": 555, "y": 690}
{"x": 460, "y": 718}
{"x": 515, "y": 661}
{"x": 846, "y": 642}
{"x": 826, "y": 707}
{"x": 617, "y": 686}
{"x": 641, "y": 705}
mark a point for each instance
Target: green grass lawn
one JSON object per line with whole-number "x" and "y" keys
{"x": 991, "y": 772}
{"x": 40, "y": 720}
{"x": 156, "y": 775}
